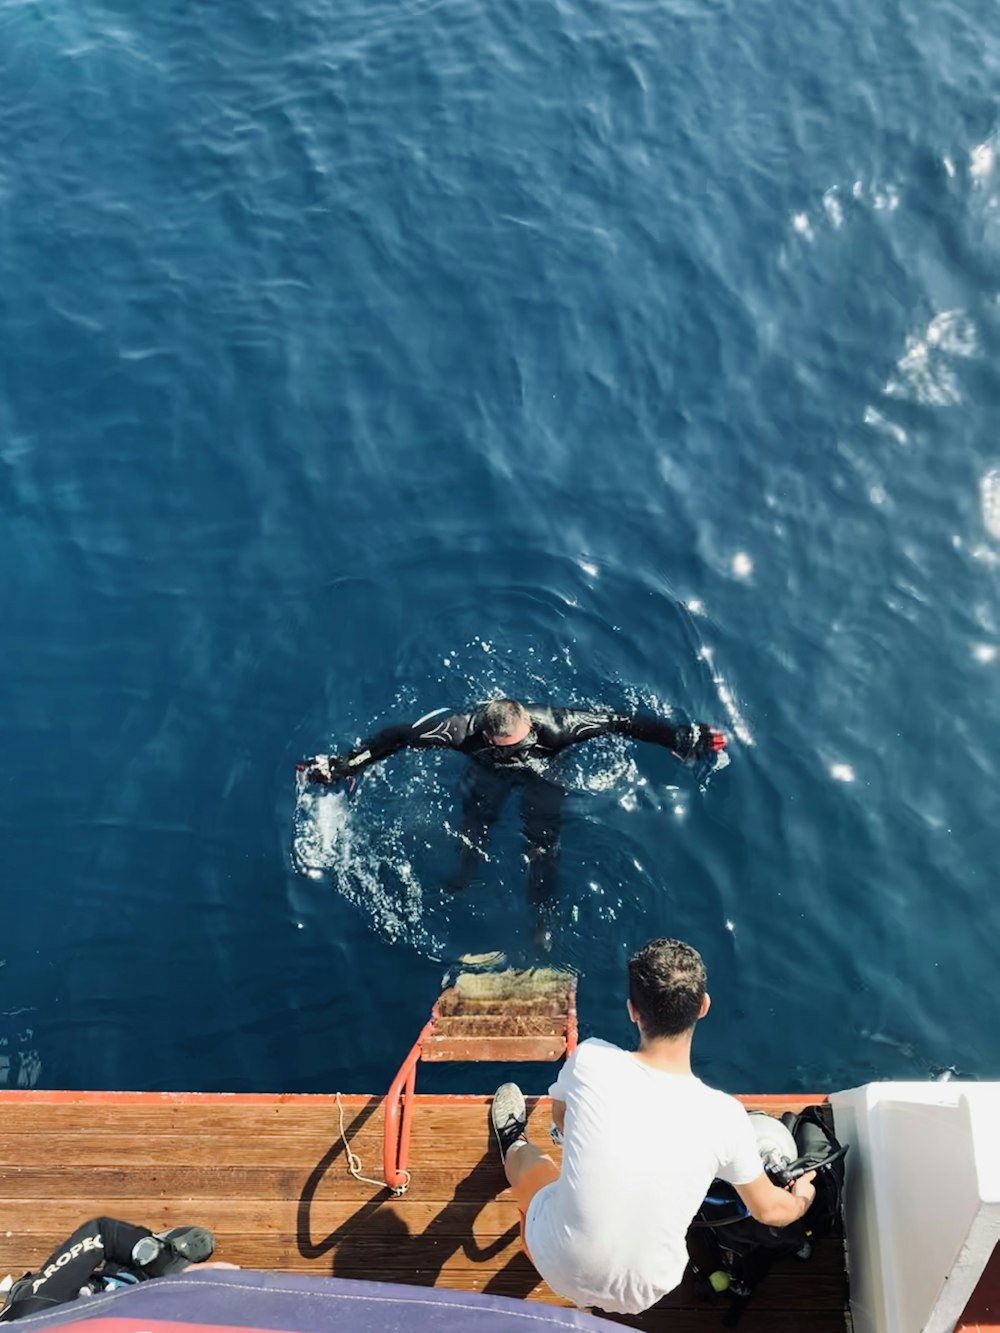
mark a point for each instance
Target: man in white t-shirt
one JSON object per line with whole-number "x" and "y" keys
{"x": 642, "y": 1141}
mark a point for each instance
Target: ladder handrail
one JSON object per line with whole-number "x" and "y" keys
{"x": 571, "y": 1029}
{"x": 396, "y": 1136}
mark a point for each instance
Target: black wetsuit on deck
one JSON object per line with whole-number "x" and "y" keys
{"x": 102, "y": 1243}
{"x": 490, "y": 785}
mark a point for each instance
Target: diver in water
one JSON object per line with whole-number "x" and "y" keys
{"x": 510, "y": 744}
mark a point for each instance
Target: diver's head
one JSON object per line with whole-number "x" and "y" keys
{"x": 504, "y": 722}
{"x": 666, "y": 989}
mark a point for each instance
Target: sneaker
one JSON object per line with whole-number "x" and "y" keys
{"x": 177, "y": 1248}
{"x": 509, "y": 1117}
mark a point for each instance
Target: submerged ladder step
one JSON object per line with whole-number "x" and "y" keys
{"x": 456, "y": 1006}
{"x": 500, "y": 1016}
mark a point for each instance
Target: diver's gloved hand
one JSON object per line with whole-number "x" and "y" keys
{"x": 326, "y": 769}
{"x": 699, "y": 741}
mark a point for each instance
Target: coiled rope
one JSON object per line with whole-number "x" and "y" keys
{"x": 354, "y": 1161}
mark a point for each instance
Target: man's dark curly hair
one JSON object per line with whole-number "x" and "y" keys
{"x": 666, "y": 984}
{"x": 500, "y": 717}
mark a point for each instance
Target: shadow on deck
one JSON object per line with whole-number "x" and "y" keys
{"x": 269, "y": 1175}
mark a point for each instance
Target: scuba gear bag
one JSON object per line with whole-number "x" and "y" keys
{"x": 731, "y": 1251}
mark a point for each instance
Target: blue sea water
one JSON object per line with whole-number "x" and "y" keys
{"x": 364, "y": 358}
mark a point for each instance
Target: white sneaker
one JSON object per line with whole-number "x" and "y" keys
{"x": 508, "y": 1116}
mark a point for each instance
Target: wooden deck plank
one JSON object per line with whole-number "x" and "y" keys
{"x": 439, "y": 1120}
{"x": 270, "y": 1178}
{"x": 11, "y": 1099}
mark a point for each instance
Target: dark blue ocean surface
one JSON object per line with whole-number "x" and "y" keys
{"x": 360, "y": 359}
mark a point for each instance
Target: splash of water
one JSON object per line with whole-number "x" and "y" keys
{"x": 329, "y": 844}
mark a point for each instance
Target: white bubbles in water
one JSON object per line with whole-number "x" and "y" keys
{"x": 842, "y": 202}
{"x": 842, "y": 772}
{"x": 589, "y": 568}
{"x": 983, "y": 159}
{"x": 989, "y": 498}
{"x": 875, "y": 418}
{"x": 742, "y": 565}
{"x": 616, "y": 766}
{"x": 925, "y": 371}
{"x": 954, "y": 332}
{"x": 728, "y": 700}
{"x": 984, "y": 652}
{"x": 800, "y": 224}
{"x": 887, "y": 199}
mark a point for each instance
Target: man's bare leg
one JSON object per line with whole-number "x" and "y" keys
{"x": 521, "y": 1157}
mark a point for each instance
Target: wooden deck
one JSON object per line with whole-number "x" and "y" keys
{"x": 269, "y": 1175}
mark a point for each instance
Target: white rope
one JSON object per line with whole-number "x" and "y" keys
{"x": 354, "y": 1161}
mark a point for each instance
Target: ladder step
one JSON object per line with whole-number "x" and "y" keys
{"x": 496, "y": 1049}
{"x": 451, "y": 1005}
{"x": 508, "y": 1024}
{"x": 541, "y": 989}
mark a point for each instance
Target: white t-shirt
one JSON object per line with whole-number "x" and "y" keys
{"x": 641, "y": 1148}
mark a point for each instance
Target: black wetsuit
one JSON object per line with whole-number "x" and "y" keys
{"x": 103, "y": 1244}
{"x": 552, "y": 730}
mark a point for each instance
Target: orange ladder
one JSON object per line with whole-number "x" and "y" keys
{"x": 494, "y": 1016}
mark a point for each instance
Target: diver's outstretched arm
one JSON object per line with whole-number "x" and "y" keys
{"x": 695, "y": 740}
{"x": 569, "y": 726}
{"x": 433, "y": 730}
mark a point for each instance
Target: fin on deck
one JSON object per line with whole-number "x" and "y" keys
{"x": 483, "y": 1016}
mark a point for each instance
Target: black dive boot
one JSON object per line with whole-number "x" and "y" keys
{"x": 171, "y": 1251}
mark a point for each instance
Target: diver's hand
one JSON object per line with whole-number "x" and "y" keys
{"x": 699, "y": 741}
{"x": 326, "y": 769}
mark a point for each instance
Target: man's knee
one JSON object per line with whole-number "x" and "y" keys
{"x": 528, "y": 1171}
